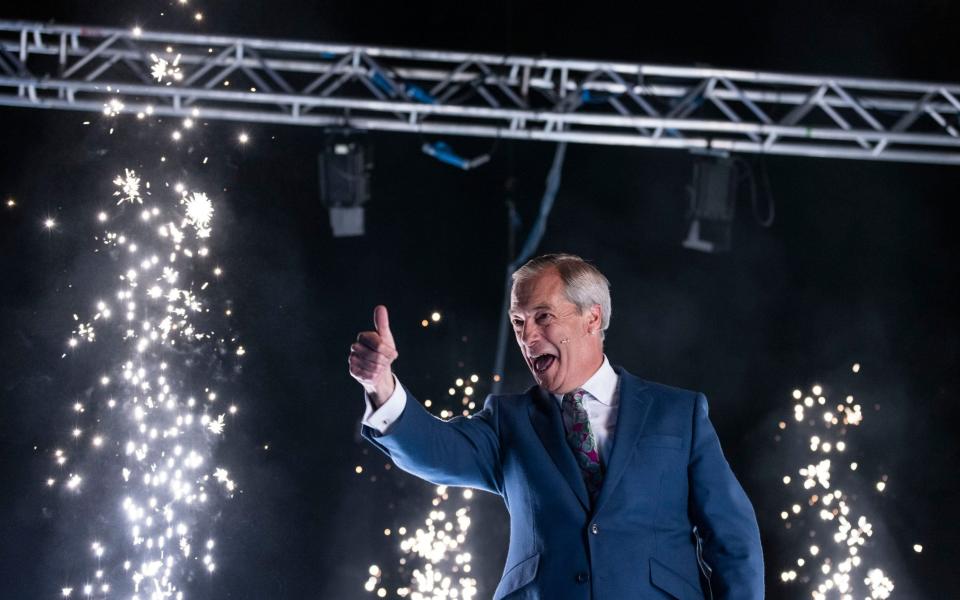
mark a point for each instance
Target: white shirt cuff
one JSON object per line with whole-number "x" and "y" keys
{"x": 383, "y": 418}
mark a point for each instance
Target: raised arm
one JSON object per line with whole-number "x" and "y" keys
{"x": 463, "y": 451}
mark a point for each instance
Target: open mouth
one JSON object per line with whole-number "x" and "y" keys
{"x": 543, "y": 362}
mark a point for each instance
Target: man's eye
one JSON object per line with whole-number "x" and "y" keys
{"x": 517, "y": 322}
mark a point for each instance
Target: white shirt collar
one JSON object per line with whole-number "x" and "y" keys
{"x": 602, "y": 385}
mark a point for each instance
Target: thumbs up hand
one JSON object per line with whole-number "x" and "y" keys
{"x": 371, "y": 356}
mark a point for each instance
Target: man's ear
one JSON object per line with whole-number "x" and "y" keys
{"x": 595, "y": 322}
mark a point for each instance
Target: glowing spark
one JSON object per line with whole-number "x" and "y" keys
{"x": 880, "y": 585}
{"x": 86, "y": 332}
{"x": 162, "y": 68}
{"x": 129, "y": 191}
{"x": 49, "y": 223}
{"x": 216, "y": 426}
{"x": 222, "y": 476}
{"x": 113, "y": 108}
{"x": 199, "y": 212}
{"x": 244, "y": 138}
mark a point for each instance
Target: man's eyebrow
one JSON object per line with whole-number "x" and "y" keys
{"x": 514, "y": 310}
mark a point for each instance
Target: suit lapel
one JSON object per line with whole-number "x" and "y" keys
{"x": 548, "y": 423}
{"x": 631, "y": 416}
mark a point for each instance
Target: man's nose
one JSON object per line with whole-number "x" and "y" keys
{"x": 529, "y": 334}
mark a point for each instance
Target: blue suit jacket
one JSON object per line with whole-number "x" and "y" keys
{"x": 665, "y": 475}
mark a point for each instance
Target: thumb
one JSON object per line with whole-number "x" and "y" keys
{"x": 381, "y": 320}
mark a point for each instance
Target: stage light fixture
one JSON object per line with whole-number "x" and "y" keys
{"x": 345, "y": 165}
{"x": 713, "y": 194}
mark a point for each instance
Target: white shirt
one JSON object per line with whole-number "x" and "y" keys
{"x": 601, "y": 403}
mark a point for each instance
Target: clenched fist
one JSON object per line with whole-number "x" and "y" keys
{"x": 371, "y": 356}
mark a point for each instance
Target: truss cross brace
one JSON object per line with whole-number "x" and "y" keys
{"x": 256, "y": 80}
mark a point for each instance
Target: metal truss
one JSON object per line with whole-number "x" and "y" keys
{"x": 480, "y": 95}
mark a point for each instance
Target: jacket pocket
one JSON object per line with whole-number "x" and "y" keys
{"x": 520, "y": 575}
{"x": 660, "y": 441}
{"x": 672, "y": 583}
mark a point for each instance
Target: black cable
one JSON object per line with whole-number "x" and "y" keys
{"x": 747, "y": 173}
{"x": 771, "y": 205}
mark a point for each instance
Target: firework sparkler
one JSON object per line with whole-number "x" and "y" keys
{"x": 834, "y": 561}
{"x": 435, "y": 562}
{"x": 150, "y": 426}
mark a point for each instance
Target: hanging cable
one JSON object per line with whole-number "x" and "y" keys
{"x": 529, "y": 247}
{"x": 747, "y": 173}
{"x": 768, "y": 192}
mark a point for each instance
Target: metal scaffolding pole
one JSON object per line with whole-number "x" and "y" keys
{"x": 473, "y": 94}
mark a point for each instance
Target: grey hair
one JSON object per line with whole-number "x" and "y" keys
{"x": 584, "y": 284}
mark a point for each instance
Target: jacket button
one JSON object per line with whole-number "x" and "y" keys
{"x": 594, "y": 529}
{"x": 583, "y": 577}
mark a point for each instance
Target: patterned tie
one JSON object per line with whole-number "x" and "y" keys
{"x": 582, "y": 441}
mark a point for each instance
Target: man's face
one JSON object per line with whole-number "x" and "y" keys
{"x": 561, "y": 346}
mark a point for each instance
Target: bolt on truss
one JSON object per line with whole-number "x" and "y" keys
{"x": 481, "y": 95}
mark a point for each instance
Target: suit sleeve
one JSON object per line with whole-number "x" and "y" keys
{"x": 383, "y": 418}
{"x": 464, "y": 451}
{"x": 724, "y": 516}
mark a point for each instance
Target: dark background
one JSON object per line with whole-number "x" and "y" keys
{"x": 860, "y": 266}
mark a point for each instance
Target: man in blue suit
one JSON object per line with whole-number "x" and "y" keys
{"x": 616, "y": 487}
